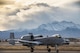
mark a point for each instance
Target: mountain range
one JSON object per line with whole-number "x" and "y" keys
{"x": 64, "y": 28}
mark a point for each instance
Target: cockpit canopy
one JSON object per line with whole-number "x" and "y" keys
{"x": 57, "y": 35}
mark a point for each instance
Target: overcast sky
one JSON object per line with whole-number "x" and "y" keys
{"x": 29, "y": 14}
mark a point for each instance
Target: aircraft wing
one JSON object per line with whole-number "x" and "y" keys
{"x": 13, "y": 41}
{"x": 31, "y": 42}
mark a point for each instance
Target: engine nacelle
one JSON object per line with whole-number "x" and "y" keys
{"x": 28, "y": 37}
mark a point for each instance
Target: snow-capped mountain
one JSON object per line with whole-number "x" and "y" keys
{"x": 59, "y": 26}
{"x": 66, "y": 29}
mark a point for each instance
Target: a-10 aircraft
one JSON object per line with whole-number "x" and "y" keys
{"x": 31, "y": 41}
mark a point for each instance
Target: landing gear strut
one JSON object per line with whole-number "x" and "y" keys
{"x": 56, "y": 48}
{"x": 49, "y": 50}
{"x": 32, "y": 49}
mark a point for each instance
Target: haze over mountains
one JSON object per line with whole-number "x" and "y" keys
{"x": 36, "y": 14}
{"x": 66, "y": 29}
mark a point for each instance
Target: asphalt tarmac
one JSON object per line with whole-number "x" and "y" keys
{"x": 28, "y": 51}
{"x": 38, "y": 51}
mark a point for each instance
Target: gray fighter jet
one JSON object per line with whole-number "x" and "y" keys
{"x": 31, "y": 41}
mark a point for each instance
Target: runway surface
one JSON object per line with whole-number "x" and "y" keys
{"x": 6, "y": 44}
{"x": 38, "y": 51}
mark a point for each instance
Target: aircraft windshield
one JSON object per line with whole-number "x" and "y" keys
{"x": 57, "y": 35}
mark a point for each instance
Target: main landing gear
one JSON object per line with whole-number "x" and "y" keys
{"x": 48, "y": 49}
{"x": 56, "y": 48}
{"x": 32, "y": 49}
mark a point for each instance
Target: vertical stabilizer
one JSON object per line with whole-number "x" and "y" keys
{"x": 12, "y": 41}
{"x": 12, "y": 35}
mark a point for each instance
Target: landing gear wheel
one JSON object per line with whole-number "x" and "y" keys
{"x": 49, "y": 50}
{"x": 57, "y": 51}
{"x": 32, "y": 50}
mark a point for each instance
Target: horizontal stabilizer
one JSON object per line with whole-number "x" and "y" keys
{"x": 12, "y": 42}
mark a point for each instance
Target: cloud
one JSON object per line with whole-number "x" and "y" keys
{"x": 76, "y": 4}
{"x": 24, "y": 17}
{"x": 41, "y": 4}
{"x": 13, "y": 12}
{"x": 33, "y": 15}
{"x": 6, "y": 2}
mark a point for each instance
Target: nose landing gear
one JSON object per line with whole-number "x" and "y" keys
{"x": 56, "y": 48}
